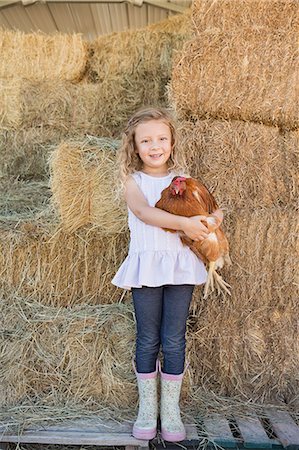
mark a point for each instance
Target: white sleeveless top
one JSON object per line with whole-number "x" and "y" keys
{"x": 156, "y": 257}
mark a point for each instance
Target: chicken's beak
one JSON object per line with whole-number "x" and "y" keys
{"x": 176, "y": 189}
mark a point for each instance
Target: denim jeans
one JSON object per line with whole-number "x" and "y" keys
{"x": 161, "y": 316}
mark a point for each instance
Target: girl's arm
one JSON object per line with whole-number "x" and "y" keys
{"x": 138, "y": 204}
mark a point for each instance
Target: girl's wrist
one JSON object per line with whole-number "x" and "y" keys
{"x": 184, "y": 223}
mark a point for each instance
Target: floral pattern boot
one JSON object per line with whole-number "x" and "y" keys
{"x": 145, "y": 426}
{"x": 172, "y": 427}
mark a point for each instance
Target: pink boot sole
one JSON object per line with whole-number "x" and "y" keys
{"x": 144, "y": 434}
{"x": 172, "y": 437}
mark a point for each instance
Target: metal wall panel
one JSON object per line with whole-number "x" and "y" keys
{"x": 63, "y": 17}
{"x": 83, "y": 19}
{"x": 102, "y": 18}
{"x": 17, "y": 18}
{"x": 41, "y": 17}
{"x": 155, "y": 14}
{"x": 137, "y": 16}
{"x": 119, "y": 16}
{"x": 90, "y": 19}
{"x": 3, "y": 21}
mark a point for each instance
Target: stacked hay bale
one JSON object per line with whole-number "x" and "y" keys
{"x": 33, "y": 69}
{"x": 92, "y": 228}
{"x": 53, "y": 87}
{"x": 235, "y": 92}
{"x": 57, "y": 261}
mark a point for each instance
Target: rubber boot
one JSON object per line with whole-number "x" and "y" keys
{"x": 145, "y": 426}
{"x": 172, "y": 427}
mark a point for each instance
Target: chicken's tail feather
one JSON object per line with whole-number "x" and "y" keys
{"x": 214, "y": 279}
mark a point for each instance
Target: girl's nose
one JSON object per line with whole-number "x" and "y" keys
{"x": 155, "y": 145}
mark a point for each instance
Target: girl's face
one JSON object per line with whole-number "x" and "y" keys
{"x": 153, "y": 145}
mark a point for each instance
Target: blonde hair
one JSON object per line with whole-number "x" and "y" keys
{"x": 129, "y": 161}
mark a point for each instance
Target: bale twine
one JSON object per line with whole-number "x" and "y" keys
{"x": 58, "y": 356}
{"x": 226, "y": 15}
{"x": 58, "y": 268}
{"x": 83, "y": 181}
{"x": 246, "y": 345}
{"x": 249, "y": 74}
{"x": 246, "y": 165}
{"x": 41, "y": 57}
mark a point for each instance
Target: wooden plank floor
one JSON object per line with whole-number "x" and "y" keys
{"x": 86, "y": 433}
{"x": 251, "y": 433}
{"x": 277, "y": 431}
{"x": 80, "y": 432}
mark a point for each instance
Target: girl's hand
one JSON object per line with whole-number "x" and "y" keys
{"x": 195, "y": 229}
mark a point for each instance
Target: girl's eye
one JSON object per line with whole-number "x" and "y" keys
{"x": 164, "y": 139}
{"x": 144, "y": 141}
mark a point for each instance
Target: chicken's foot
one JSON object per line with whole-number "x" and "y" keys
{"x": 214, "y": 279}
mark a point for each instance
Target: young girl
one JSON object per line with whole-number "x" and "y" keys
{"x": 159, "y": 269}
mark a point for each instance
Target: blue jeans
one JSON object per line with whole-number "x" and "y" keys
{"x": 161, "y": 316}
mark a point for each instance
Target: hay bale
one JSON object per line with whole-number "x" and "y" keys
{"x": 24, "y": 153}
{"x": 126, "y": 71}
{"x": 247, "y": 345}
{"x": 74, "y": 109}
{"x": 59, "y": 356}
{"x": 248, "y": 74}
{"x": 22, "y": 199}
{"x": 246, "y": 165}
{"x": 134, "y": 67}
{"x": 83, "y": 180}
{"x": 178, "y": 23}
{"x": 58, "y": 268}
{"x": 137, "y": 54}
{"x": 243, "y": 346}
{"x": 63, "y": 107}
{"x": 133, "y": 55}
{"x": 225, "y": 15}
{"x": 41, "y": 57}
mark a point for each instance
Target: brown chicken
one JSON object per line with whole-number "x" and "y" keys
{"x": 188, "y": 197}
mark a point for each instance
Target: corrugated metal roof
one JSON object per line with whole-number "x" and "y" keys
{"x": 90, "y": 18}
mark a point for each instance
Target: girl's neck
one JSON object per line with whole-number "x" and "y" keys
{"x": 155, "y": 173}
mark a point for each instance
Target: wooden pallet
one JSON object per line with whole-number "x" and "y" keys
{"x": 80, "y": 432}
{"x": 277, "y": 430}
{"x": 239, "y": 432}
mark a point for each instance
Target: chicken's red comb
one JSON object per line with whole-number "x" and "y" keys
{"x": 179, "y": 179}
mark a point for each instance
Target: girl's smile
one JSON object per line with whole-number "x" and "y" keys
{"x": 153, "y": 145}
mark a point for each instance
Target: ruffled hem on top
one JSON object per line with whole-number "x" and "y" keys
{"x": 159, "y": 268}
